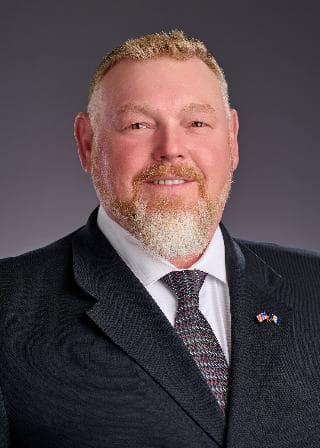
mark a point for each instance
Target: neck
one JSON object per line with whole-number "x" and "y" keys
{"x": 186, "y": 263}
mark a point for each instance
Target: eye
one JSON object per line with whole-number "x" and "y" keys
{"x": 198, "y": 124}
{"x": 137, "y": 126}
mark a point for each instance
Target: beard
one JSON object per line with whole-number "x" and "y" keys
{"x": 167, "y": 226}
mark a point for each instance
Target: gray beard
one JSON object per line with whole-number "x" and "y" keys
{"x": 172, "y": 234}
{"x": 165, "y": 228}
{"x": 169, "y": 232}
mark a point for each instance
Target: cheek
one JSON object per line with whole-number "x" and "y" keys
{"x": 216, "y": 167}
{"x": 128, "y": 156}
{"x": 123, "y": 165}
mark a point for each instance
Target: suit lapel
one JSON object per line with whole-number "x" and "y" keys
{"x": 127, "y": 314}
{"x": 257, "y": 348}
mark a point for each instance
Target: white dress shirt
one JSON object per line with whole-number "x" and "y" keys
{"x": 214, "y": 300}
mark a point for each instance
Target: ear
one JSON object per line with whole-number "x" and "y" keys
{"x": 83, "y": 134}
{"x": 234, "y": 129}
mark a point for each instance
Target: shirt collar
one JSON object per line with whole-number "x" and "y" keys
{"x": 148, "y": 268}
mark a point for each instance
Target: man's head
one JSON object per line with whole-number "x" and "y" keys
{"x": 160, "y": 141}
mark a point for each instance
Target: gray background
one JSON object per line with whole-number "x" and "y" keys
{"x": 270, "y": 52}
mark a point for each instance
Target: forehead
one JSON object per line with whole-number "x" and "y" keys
{"x": 160, "y": 81}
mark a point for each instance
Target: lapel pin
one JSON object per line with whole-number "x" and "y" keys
{"x": 267, "y": 317}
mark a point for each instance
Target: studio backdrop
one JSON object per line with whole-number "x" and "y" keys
{"x": 270, "y": 53}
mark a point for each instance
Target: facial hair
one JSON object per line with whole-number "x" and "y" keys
{"x": 166, "y": 226}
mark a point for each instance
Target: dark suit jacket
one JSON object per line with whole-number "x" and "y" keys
{"x": 89, "y": 360}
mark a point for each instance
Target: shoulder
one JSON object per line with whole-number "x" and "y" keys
{"x": 29, "y": 268}
{"x": 287, "y": 261}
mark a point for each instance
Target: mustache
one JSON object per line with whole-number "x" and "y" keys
{"x": 161, "y": 170}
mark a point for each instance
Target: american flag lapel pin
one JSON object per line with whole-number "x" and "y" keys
{"x": 267, "y": 317}
{"x": 262, "y": 316}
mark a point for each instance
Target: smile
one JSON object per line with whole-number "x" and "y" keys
{"x": 168, "y": 182}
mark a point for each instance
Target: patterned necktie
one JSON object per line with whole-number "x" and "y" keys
{"x": 196, "y": 333}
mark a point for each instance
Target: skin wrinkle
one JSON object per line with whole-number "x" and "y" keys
{"x": 149, "y": 112}
{"x": 145, "y": 109}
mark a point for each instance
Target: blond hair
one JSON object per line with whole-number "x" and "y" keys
{"x": 174, "y": 44}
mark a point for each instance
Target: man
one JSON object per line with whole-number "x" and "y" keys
{"x": 150, "y": 326}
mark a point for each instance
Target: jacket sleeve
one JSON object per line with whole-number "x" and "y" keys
{"x": 4, "y": 425}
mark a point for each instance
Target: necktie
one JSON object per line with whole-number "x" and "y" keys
{"x": 196, "y": 333}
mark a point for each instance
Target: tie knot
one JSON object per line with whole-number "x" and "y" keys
{"x": 185, "y": 283}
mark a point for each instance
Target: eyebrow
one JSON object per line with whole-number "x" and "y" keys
{"x": 131, "y": 107}
{"x": 141, "y": 108}
{"x": 198, "y": 107}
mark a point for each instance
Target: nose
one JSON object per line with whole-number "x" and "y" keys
{"x": 168, "y": 145}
